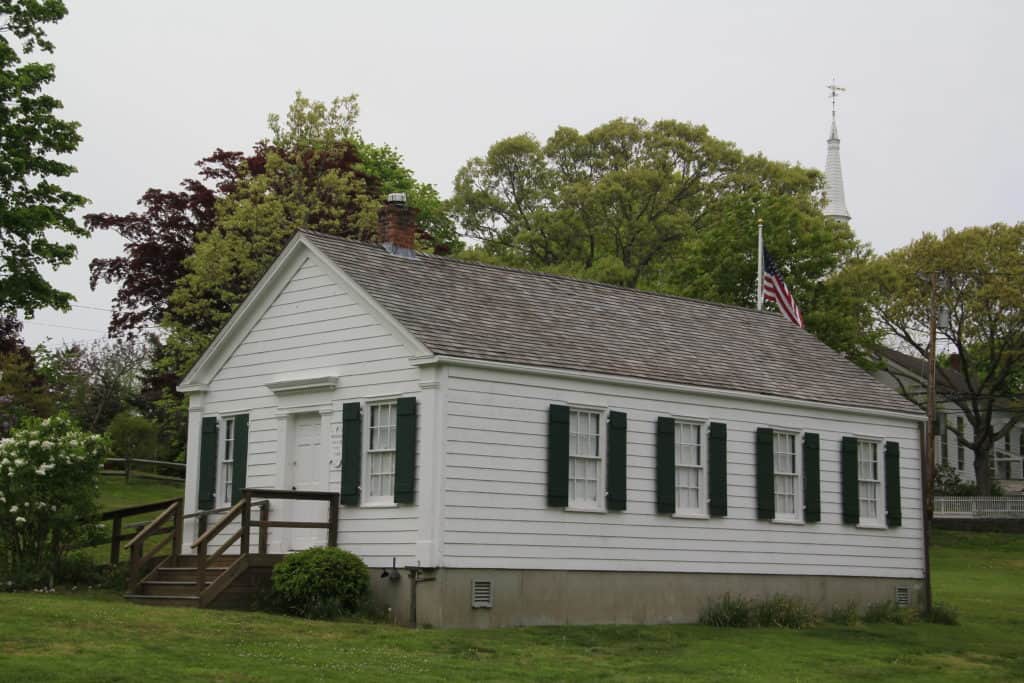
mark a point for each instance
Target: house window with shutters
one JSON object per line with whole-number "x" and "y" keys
{"x": 944, "y": 447}
{"x": 786, "y": 463}
{"x": 380, "y": 453}
{"x": 691, "y": 498}
{"x": 959, "y": 445}
{"x": 585, "y": 471}
{"x": 227, "y": 462}
{"x": 870, "y": 484}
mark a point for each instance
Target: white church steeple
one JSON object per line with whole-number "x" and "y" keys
{"x": 835, "y": 199}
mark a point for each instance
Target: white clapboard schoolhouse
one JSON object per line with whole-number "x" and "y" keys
{"x": 504, "y": 447}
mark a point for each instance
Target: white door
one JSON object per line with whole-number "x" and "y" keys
{"x": 308, "y": 473}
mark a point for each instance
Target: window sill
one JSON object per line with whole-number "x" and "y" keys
{"x": 379, "y": 504}
{"x": 690, "y": 515}
{"x": 577, "y": 508}
{"x": 794, "y": 521}
{"x": 872, "y": 525}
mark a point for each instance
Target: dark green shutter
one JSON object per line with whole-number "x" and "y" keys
{"x": 764, "y": 459}
{"x": 558, "y": 456}
{"x": 812, "y": 478}
{"x": 240, "y": 454}
{"x": 616, "y": 461}
{"x": 405, "y": 451}
{"x": 351, "y": 452}
{"x": 893, "y": 507}
{"x": 848, "y": 473}
{"x": 717, "y": 506}
{"x": 208, "y": 465}
{"x": 665, "y": 462}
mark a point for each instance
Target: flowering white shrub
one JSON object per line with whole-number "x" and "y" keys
{"x": 49, "y": 476}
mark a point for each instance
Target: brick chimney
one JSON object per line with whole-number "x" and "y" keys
{"x": 396, "y": 226}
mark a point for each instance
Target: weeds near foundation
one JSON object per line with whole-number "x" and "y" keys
{"x": 846, "y": 614}
{"x": 728, "y": 611}
{"x": 888, "y": 612}
{"x": 780, "y": 611}
{"x": 942, "y": 613}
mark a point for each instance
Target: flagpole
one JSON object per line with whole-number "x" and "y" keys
{"x": 760, "y": 265}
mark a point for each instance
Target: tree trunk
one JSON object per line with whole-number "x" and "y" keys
{"x": 982, "y": 469}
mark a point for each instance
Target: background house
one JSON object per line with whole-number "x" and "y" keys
{"x": 548, "y": 450}
{"x": 909, "y": 375}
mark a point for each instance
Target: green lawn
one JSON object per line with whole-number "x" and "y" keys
{"x": 98, "y": 637}
{"x": 115, "y": 493}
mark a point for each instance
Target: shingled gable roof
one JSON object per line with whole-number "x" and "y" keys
{"x": 469, "y": 310}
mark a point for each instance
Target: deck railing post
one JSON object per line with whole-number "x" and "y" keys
{"x": 332, "y": 522}
{"x": 115, "y": 541}
{"x": 243, "y": 542}
{"x": 264, "y": 518}
{"x": 179, "y": 529}
{"x": 201, "y": 567}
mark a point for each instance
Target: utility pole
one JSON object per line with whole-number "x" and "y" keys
{"x": 928, "y": 466}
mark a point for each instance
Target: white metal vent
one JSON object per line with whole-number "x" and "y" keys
{"x": 482, "y": 593}
{"x": 903, "y": 596}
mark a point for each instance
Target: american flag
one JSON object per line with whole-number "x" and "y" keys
{"x": 775, "y": 290}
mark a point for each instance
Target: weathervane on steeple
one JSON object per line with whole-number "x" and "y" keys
{"x": 835, "y": 95}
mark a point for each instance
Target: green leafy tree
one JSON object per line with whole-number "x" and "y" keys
{"x": 32, "y": 138}
{"x": 133, "y": 436}
{"x": 662, "y": 206}
{"x": 979, "y": 273}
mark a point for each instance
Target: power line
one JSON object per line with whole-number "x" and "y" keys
{"x": 92, "y": 308}
{"x": 66, "y": 327}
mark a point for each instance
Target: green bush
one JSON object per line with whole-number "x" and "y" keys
{"x": 783, "y": 611}
{"x": 942, "y": 613}
{"x": 846, "y": 614}
{"x": 888, "y": 612}
{"x": 727, "y": 611}
{"x": 49, "y": 478}
{"x": 320, "y": 583}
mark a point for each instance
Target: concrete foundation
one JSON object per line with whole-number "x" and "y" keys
{"x": 538, "y": 597}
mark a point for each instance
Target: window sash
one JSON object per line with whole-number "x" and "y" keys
{"x": 584, "y": 458}
{"x": 381, "y": 451}
{"x": 689, "y": 457}
{"x": 786, "y": 474}
{"x": 869, "y": 482}
{"x": 227, "y": 467}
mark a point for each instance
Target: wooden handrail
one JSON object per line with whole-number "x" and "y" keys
{"x": 154, "y": 523}
{"x": 293, "y": 495}
{"x": 138, "y": 509}
{"x": 233, "y": 512}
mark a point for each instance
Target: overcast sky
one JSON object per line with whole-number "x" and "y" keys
{"x": 931, "y": 125}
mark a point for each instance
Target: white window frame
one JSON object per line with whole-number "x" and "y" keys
{"x": 797, "y": 516}
{"x": 387, "y": 499}
{"x": 878, "y": 521}
{"x": 225, "y": 465}
{"x": 701, "y": 511}
{"x": 599, "y": 505}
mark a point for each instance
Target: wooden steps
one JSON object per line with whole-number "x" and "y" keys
{"x": 236, "y": 581}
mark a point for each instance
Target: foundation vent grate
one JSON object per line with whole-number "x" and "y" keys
{"x": 482, "y": 593}
{"x": 903, "y": 596}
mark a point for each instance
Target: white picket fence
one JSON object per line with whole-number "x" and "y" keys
{"x": 979, "y": 506}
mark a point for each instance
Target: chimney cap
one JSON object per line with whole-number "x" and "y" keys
{"x": 397, "y": 198}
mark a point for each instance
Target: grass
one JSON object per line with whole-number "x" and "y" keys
{"x": 97, "y": 636}
{"x": 115, "y": 493}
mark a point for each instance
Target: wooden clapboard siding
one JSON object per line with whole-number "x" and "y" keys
{"x": 314, "y": 326}
{"x": 495, "y": 511}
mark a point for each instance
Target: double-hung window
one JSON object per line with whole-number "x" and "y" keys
{"x": 869, "y": 484}
{"x": 690, "y": 497}
{"x": 959, "y": 444}
{"x": 787, "y": 476}
{"x": 380, "y": 453}
{"x": 585, "y": 489}
{"x": 944, "y": 448}
{"x": 227, "y": 462}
